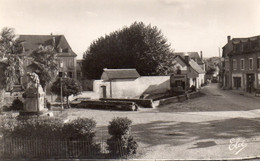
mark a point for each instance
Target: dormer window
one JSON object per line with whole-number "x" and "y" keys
{"x": 254, "y": 44}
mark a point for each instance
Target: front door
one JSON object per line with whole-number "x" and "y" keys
{"x": 237, "y": 82}
{"x": 250, "y": 82}
{"x": 104, "y": 91}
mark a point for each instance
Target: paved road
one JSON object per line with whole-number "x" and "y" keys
{"x": 215, "y": 99}
{"x": 200, "y": 128}
{"x": 205, "y": 127}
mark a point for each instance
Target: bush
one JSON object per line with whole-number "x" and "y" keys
{"x": 16, "y": 105}
{"x": 53, "y": 129}
{"x": 48, "y": 128}
{"x": 7, "y": 125}
{"x": 121, "y": 143}
{"x": 81, "y": 128}
{"x": 119, "y": 126}
{"x": 42, "y": 128}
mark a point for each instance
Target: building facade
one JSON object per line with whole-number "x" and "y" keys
{"x": 212, "y": 68}
{"x": 127, "y": 83}
{"x": 194, "y": 56}
{"x": 65, "y": 55}
{"x": 187, "y": 66}
{"x": 241, "y": 65}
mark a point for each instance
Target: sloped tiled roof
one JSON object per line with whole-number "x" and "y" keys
{"x": 196, "y": 67}
{"x": 110, "y": 74}
{"x": 192, "y": 55}
{"x": 228, "y": 48}
{"x": 32, "y": 42}
{"x": 182, "y": 59}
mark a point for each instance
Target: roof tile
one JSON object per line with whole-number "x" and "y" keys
{"x": 32, "y": 42}
{"x": 110, "y": 74}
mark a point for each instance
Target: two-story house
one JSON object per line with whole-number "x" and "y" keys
{"x": 241, "y": 66}
{"x": 187, "y": 66}
{"x": 65, "y": 55}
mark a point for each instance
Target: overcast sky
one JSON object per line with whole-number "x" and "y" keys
{"x": 189, "y": 25}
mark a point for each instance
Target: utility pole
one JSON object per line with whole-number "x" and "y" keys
{"x": 220, "y": 66}
{"x": 61, "y": 98}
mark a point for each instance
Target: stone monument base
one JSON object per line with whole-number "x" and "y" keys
{"x": 43, "y": 112}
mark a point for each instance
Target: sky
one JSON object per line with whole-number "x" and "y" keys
{"x": 188, "y": 25}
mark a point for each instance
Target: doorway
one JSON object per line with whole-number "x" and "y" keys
{"x": 237, "y": 82}
{"x": 104, "y": 91}
{"x": 250, "y": 78}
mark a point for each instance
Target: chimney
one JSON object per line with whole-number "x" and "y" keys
{"x": 187, "y": 57}
{"x": 228, "y": 38}
{"x": 201, "y": 56}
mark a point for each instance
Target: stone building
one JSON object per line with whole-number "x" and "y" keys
{"x": 241, "y": 66}
{"x": 65, "y": 55}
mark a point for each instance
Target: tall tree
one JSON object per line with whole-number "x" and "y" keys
{"x": 10, "y": 61}
{"x": 69, "y": 87}
{"x": 138, "y": 46}
{"x": 44, "y": 64}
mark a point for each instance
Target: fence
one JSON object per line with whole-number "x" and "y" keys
{"x": 12, "y": 148}
{"x": 179, "y": 98}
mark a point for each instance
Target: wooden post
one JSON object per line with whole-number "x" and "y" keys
{"x": 111, "y": 89}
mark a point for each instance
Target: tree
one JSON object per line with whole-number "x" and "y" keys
{"x": 138, "y": 46}
{"x": 211, "y": 70}
{"x": 69, "y": 87}
{"x": 11, "y": 63}
{"x": 44, "y": 64}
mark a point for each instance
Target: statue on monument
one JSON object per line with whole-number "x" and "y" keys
{"x": 34, "y": 94}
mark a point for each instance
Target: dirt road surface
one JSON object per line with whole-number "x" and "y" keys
{"x": 221, "y": 124}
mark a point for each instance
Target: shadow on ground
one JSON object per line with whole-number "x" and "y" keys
{"x": 173, "y": 133}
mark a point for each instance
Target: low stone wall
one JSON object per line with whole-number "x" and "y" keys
{"x": 179, "y": 98}
{"x": 193, "y": 95}
{"x": 145, "y": 103}
{"x": 108, "y": 105}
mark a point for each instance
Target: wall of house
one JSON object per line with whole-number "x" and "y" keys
{"x": 198, "y": 81}
{"x": 243, "y": 80}
{"x": 201, "y": 79}
{"x": 133, "y": 88}
{"x": 242, "y": 73}
{"x": 69, "y": 65}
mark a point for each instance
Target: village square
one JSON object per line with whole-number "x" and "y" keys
{"x": 129, "y": 95}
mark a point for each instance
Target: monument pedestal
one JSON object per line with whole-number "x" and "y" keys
{"x": 34, "y": 102}
{"x": 43, "y": 112}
